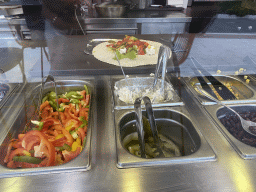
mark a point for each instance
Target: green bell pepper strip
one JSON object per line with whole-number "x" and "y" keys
{"x": 74, "y": 93}
{"x": 84, "y": 141}
{"x": 31, "y": 151}
{"x": 84, "y": 121}
{"x": 86, "y": 89}
{"x": 52, "y": 95}
{"x": 27, "y": 159}
{"x": 40, "y": 125}
{"x": 53, "y": 105}
{"x": 45, "y": 98}
{"x": 74, "y": 101}
{"x": 61, "y": 109}
{"x": 64, "y": 147}
{"x": 77, "y": 97}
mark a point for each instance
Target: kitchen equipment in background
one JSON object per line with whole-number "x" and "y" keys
{"x": 142, "y": 4}
{"x": 178, "y": 3}
{"x": 110, "y": 10}
{"x": 158, "y": 3}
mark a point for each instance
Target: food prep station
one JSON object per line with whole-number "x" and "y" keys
{"x": 207, "y": 146}
{"x": 212, "y": 159}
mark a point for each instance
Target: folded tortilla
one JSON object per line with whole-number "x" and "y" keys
{"x": 102, "y": 53}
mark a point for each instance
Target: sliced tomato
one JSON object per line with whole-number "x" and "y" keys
{"x": 49, "y": 150}
{"x": 141, "y": 51}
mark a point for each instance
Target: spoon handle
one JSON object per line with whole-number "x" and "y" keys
{"x": 216, "y": 100}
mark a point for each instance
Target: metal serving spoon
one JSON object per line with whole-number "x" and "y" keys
{"x": 245, "y": 123}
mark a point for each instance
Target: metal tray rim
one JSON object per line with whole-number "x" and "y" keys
{"x": 77, "y": 164}
{"x": 127, "y": 160}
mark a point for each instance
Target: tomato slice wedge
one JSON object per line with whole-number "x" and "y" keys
{"x": 49, "y": 150}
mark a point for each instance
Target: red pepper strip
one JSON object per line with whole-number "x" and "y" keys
{"x": 63, "y": 100}
{"x": 46, "y": 112}
{"x": 70, "y": 139}
{"x": 15, "y": 164}
{"x": 85, "y": 129}
{"x": 87, "y": 99}
{"x": 66, "y": 113}
{"x": 82, "y": 112}
{"x": 86, "y": 116}
{"x": 71, "y": 110}
{"x": 76, "y": 113}
{"x": 17, "y": 145}
{"x": 49, "y": 153}
{"x": 59, "y": 142}
{"x": 20, "y": 136}
{"x": 62, "y": 117}
{"x": 81, "y": 132}
{"x": 55, "y": 115}
{"x": 83, "y": 93}
{"x": 44, "y": 104}
{"x": 55, "y": 121}
{"x": 68, "y": 136}
{"x": 9, "y": 149}
{"x": 69, "y": 155}
{"x": 47, "y": 124}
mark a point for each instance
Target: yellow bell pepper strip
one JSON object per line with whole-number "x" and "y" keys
{"x": 75, "y": 145}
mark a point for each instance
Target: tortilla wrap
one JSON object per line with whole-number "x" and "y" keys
{"x": 103, "y": 53}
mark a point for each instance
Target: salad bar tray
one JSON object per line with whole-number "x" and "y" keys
{"x": 186, "y": 144}
{"x": 230, "y": 126}
{"x": 125, "y": 91}
{"x": 22, "y": 124}
{"x": 244, "y": 91}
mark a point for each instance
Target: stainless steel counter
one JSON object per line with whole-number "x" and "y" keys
{"x": 226, "y": 172}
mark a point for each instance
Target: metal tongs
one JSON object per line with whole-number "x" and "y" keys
{"x": 49, "y": 78}
{"x": 163, "y": 56}
{"x": 140, "y": 127}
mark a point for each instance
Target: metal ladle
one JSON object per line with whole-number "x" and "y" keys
{"x": 245, "y": 123}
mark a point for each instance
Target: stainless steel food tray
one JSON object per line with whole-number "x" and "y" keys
{"x": 214, "y": 111}
{"x": 246, "y": 91}
{"x": 27, "y": 110}
{"x": 12, "y": 88}
{"x": 142, "y": 82}
{"x": 202, "y": 152}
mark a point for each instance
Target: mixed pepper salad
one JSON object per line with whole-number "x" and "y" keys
{"x": 130, "y": 47}
{"x": 58, "y": 137}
